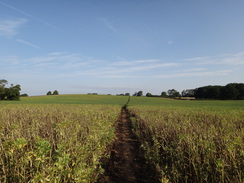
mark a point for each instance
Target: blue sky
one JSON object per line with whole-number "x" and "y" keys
{"x": 112, "y": 47}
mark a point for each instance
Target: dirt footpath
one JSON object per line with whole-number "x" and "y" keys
{"x": 127, "y": 163}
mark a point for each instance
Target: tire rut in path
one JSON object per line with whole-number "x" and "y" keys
{"x": 127, "y": 163}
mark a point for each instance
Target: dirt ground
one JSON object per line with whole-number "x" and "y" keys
{"x": 127, "y": 163}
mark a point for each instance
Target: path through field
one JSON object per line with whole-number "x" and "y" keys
{"x": 127, "y": 163}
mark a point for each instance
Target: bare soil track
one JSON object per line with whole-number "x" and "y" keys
{"x": 127, "y": 163}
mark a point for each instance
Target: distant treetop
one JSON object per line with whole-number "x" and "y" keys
{"x": 54, "y": 93}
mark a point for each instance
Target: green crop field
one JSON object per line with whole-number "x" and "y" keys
{"x": 62, "y": 138}
{"x": 56, "y": 138}
{"x": 208, "y": 104}
{"x": 71, "y": 99}
{"x": 192, "y": 141}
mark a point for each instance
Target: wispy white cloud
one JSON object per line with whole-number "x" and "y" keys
{"x": 9, "y": 27}
{"x": 63, "y": 64}
{"x": 114, "y": 76}
{"x": 196, "y": 59}
{"x": 148, "y": 67}
{"x": 136, "y": 66}
{"x": 42, "y": 59}
{"x": 134, "y": 62}
{"x": 110, "y": 71}
{"x": 196, "y": 74}
{"x": 147, "y": 61}
{"x": 108, "y": 24}
{"x": 193, "y": 69}
{"x": 103, "y": 69}
{"x": 58, "y": 57}
{"x": 57, "y": 53}
{"x": 55, "y": 61}
{"x": 10, "y": 60}
{"x": 71, "y": 65}
{"x": 27, "y": 43}
{"x": 236, "y": 59}
{"x": 17, "y": 10}
{"x": 225, "y": 59}
{"x": 35, "y": 18}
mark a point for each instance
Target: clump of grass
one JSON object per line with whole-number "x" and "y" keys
{"x": 192, "y": 145}
{"x": 54, "y": 143}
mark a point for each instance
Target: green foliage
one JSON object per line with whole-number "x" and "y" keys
{"x": 138, "y": 94}
{"x": 3, "y": 82}
{"x": 54, "y": 143}
{"x": 188, "y": 93}
{"x": 148, "y": 95}
{"x": 164, "y": 94}
{"x": 11, "y": 93}
{"x": 173, "y": 93}
{"x": 24, "y": 95}
{"x": 232, "y": 91}
{"x": 55, "y": 92}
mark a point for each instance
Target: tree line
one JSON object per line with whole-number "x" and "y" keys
{"x": 231, "y": 91}
{"x": 54, "y": 93}
{"x": 9, "y": 93}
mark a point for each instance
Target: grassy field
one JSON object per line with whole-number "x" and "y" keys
{"x": 71, "y": 99}
{"x": 62, "y": 138}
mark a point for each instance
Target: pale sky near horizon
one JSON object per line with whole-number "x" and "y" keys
{"x": 113, "y": 47}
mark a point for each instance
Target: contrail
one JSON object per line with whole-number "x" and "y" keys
{"x": 35, "y": 18}
{"x": 27, "y": 43}
{"x": 26, "y": 14}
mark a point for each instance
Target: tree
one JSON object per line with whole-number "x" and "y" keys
{"x": 55, "y": 92}
{"x": 173, "y": 93}
{"x": 24, "y": 95}
{"x": 11, "y": 93}
{"x": 49, "y": 93}
{"x": 140, "y": 93}
{"x": 200, "y": 92}
{"x": 148, "y": 95}
{"x": 3, "y": 82}
{"x": 127, "y": 94}
{"x": 188, "y": 93}
{"x": 240, "y": 88}
{"x": 135, "y": 94}
{"x": 163, "y": 94}
{"x": 230, "y": 92}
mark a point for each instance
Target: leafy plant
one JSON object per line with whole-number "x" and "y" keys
{"x": 54, "y": 143}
